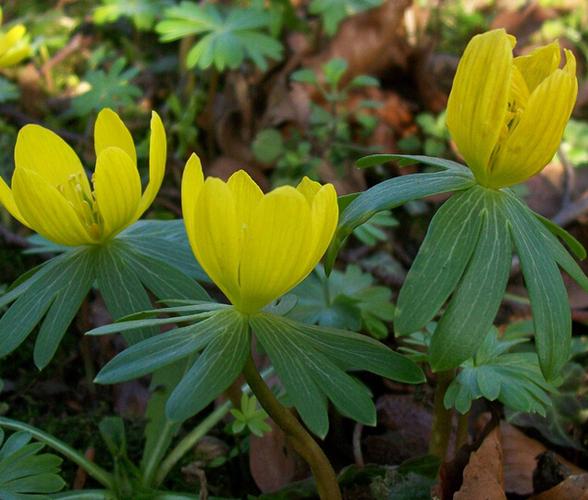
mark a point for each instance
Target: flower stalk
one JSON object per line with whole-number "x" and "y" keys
{"x": 299, "y": 438}
{"x": 441, "y": 430}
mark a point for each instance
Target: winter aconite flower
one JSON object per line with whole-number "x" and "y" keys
{"x": 507, "y": 114}
{"x": 256, "y": 247}
{"x": 51, "y": 192}
{"x": 14, "y": 46}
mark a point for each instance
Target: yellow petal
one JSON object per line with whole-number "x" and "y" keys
{"x": 192, "y": 181}
{"x": 478, "y": 100}
{"x": 109, "y": 130}
{"x": 46, "y": 210}
{"x": 7, "y": 199}
{"x": 308, "y": 188}
{"x": 11, "y": 37}
{"x": 48, "y": 155}
{"x": 324, "y": 217}
{"x": 534, "y": 141}
{"x": 157, "y": 159}
{"x": 539, "y": 64}
{"x": 247, "y": 195}
{"x": 117, "y": 189}
{"x": 275, "y": 250}
{"x": 216, "y": 236}
{"x": 14, "y": 56}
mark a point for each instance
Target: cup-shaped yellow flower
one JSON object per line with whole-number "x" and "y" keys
{"x": 256, "y": 247}
{"x": 51, "y": 192}
{"x": 507, "y": 114}
{"x": 14, "y": 46}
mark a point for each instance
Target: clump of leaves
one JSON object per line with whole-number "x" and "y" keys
{"x": 142, "y": 13}
{"x": 24, "y": 472}
{"x": 111, "y": 89}
{"x": 575, "y": 143}
{"x": 347, "y": 300}
{"x": 332, "y": 12}
{"x": 372, "y": 232}
{"x": 226, "y": 38}
{"x": 329, "y": 136}
{"x": 8, "y": 91}
{"x": 249, "y": 416}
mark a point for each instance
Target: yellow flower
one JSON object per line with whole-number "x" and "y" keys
{"x": 51, "y": 192}
{"x": 256, "y": 247}
{"x": 507, "y": 115}
{"x": 14, "y": 46}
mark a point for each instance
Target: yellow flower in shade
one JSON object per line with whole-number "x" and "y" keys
{"x": 14, "y": 46}
{"x": 256, "y": 247}
{"x": 51, "y": 192}
{"x": 507, "y": 114}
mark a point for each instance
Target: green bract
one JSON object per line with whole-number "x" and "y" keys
{"x": 226, "y": 38}
{"x": 311, "y": 361}
{"x": 466, "y": 259}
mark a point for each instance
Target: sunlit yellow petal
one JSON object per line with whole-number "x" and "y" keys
{"x": 539, "y": 64}
{"x": 46, "y": 210}
{"x": 157, "y": 158}
{"x": 109, "y": 130}
{"x": 308, "y": 188}
{"x": 324, "y": 217}
{"x": 247, "y": 195}
{"x": 14, "y": 56}
{"x": 275, "y": 248}
{"x": 48, "y": 155}
{"x": 215, "y": 239}
{"x": 534, "y": 141}
{"x": 11, "y": 37}
{"x": 7, "y": 200}
{"x": 117, "y": 189}
{"x": 192, "y": 182}
{"x": 477, "y": 103}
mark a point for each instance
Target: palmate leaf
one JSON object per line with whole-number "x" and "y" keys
{"x": 312, "y": 362}
{"x": 513, "y": 378}
{"x": 227, "y": 38}
{"x": 142, "y": 13}
{"x": 24, "y": 472}
{"x": 395, "y": 192}
{"x": 333, "y": 12}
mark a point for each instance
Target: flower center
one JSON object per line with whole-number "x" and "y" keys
{"x": 84, "y": 204}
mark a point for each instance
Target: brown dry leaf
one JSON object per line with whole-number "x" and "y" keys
{"x": 371, "y": 42}
{"x": 575, "y": 487}
{"x": 523, "y": 22}
{"x": 483, "y": 477}
{"x": 520, "y": 452}
{"x": 272, "y": 461}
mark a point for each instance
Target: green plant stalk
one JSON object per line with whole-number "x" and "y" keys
{"x": 301, "y": 440}
{"x": 190, "y": 440}
{"x": 154, "y": 458}
{"x": 441, "y": 417}
{"x": 461, "y": 437}
{"x": 98, "y": 473}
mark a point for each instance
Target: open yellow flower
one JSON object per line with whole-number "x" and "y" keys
{"x": 507, "y": 115}
{"x": 14, "y": 46}
{"x": 256, "y": 247}
{"x": 51, "y": 192}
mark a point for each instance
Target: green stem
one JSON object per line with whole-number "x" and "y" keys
{"x": 97, "y": 472}
{"x": 153, "y": 460}
{"x": 441, "y": 417}
{"x": 300, "y": 439}
{"x": 190, "y": 440}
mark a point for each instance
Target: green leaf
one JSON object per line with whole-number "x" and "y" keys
{"x": 227, "y": 37}
{"x": 20, "y": 319}
{"x": 64, "y": 308}
{"x": 268, "y": 146}
{"x": 474, "y": 304}
{"x": 364, "y": 81}
{"x": 121, "y": 288}
{"x": 403, "y": 160}
{"x": 163, "y": 349}
{"x": 304, "y": 75}
{"x": 311, "y": 362}
{"x": 441, "y": 261}
{"x": 575, "y": 246}
{"x": 216, "y": 368}
{"x": 549, "y": 299}
{"x": 24, "y": 473}
{"x": 333, "y": 12}
{"x": 8, "y": 91}
{"x": 392, "y": 193}
{"x": 334, "y": 70}
{"x": 165, "y": 241}
{"x": 142, "y": 13}
{"x": 514, "y": 379}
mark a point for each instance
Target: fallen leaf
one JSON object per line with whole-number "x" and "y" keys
{"x": 574, "y": 487}
{"x": 483, "y": 477}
